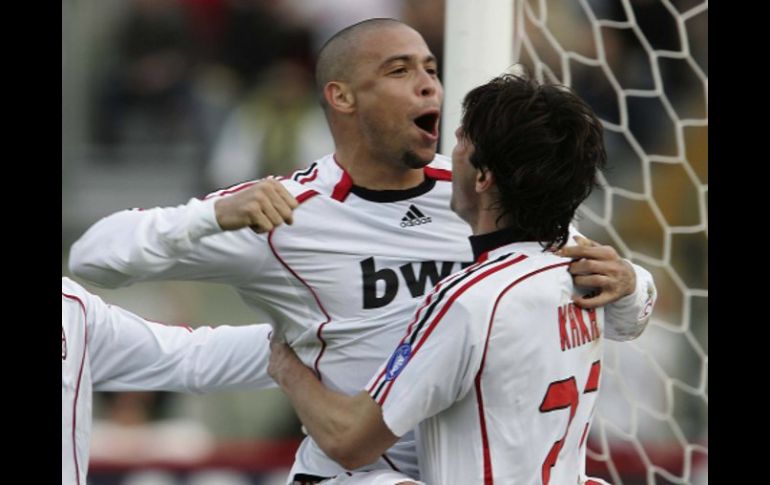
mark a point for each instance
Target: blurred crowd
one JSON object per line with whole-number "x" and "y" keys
{"x": 233, "y": 78}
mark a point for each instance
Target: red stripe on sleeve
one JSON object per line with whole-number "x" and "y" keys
{"x": 306, "y": 195}
{"x": 231, "y": 191}
{"x": 309, "y": 178}
{"x": 445, "y": 309}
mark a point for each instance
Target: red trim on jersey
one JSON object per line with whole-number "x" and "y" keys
{"x": 233, "y": 190}
{"x": 309, "y": 178}
{"x": 459, "y": 292}
{"x": 436, "y": 290}
{"x": 426, "y": 302}
{"x": 392, "y": 465}
{"x": 483, "y": 257}
{"x": 479, "y": 397}
{"x": 583, "y": 438}
{"x": 77, "y": 388}
{"x": 593, "y": 377}
{"x": 483, "y": 424}
{"x": 312, "y": 292}
{"x": 438, "y": 173}
{"x": 342, "y": 189}
{"x": 306, "y": 195}
{"x": 183, "y": 325}
{"x": 445, "y": 309}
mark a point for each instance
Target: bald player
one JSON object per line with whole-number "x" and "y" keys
{"x": 368, "y": 231}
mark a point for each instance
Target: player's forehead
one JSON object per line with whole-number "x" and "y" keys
{"x": 377, "y": 46}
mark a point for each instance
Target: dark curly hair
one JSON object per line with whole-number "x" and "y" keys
{"x": 543, "y": 145}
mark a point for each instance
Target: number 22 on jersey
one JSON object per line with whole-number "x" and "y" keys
{"x": 560, "y": 395}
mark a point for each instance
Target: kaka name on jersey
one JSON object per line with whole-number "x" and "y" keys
{"x": 577, "y": 326}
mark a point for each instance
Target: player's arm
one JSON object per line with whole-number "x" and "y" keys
{"x": 627, "y": 290}
{"x": 169, "y": 243}
{"x": 349, "y": 429}
{"x": 355, "y": 430}
{"x": 130, "y": 353}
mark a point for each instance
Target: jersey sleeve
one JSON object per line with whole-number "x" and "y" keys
{"x": 130, "y": 353}
{"x": 180, "y": 243}
{"x": 431, "y": 369}
{"x": 626, "y": 318}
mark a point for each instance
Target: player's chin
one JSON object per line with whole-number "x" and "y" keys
{"x": 426, "y": 152}
{"x": 418, "y": 158}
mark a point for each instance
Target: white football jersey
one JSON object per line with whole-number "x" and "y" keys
{"x": 341, "y": 282}
{"x": 500, "y": 370}
{"x": 106, "y": 348}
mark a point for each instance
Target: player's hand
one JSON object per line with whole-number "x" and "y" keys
{"x": 262, "y": 207}
{"x": 599, "y": 267}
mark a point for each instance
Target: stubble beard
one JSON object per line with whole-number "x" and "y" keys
{"x": 388, "y": 147}
{"x": 411, "y": 160}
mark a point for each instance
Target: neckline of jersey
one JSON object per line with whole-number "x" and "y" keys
{"x": 346, "y": 186}
{"x": 394, "y": 195}
{"x": 483, "y": 244}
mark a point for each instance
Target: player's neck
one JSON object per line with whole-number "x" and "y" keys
{"x": 487, "y": 219}
{"x": 373, "y": 174}
{"x": 484, "y": 243}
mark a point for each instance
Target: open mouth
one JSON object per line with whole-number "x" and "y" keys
{"x": 428, "y": 122}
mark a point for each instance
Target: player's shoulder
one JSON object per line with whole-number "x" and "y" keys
{"x": 539, "y": 276}
{"x": 73, "y": 293}
{"x": 299, "y": 191}
{"x": 440, "y": 168}
{"x": 461, "y": 292}
{"x": 536, "y": 260}
{"x": 70, "y": 287}
{"x": 441, "y": 161}
{"x": 301, "y": 183}
{"x": 322, "y": 177}
{"x": 522, "y": 265}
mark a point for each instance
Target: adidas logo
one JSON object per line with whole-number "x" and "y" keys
{"x": 414, "y": 217}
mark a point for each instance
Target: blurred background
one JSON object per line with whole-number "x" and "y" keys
{"x": 164, "y": 100}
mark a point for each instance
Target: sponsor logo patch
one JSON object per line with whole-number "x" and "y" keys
{"x": 398, "y": 361}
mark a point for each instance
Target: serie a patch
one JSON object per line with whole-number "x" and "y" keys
{"x": 397, "y": 361}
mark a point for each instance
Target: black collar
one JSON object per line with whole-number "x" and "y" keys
{"x": 483, "y": 243}
{"x": 394, "y": 195}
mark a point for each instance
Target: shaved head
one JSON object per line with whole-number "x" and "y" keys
{"x": 337, "y": 57}
{"x": 379, "y": 89}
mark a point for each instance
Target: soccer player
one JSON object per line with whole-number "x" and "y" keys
{"x": 106, "y": 348}
{"x": 499, "y": 367}
{"x": 372, "y": 234}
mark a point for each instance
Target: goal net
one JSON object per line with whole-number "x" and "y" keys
{"x": 643, "y": 66}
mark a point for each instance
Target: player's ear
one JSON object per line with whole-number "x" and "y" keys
{"x": 339, "y": 96}
{"x": 484, "y": 180}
